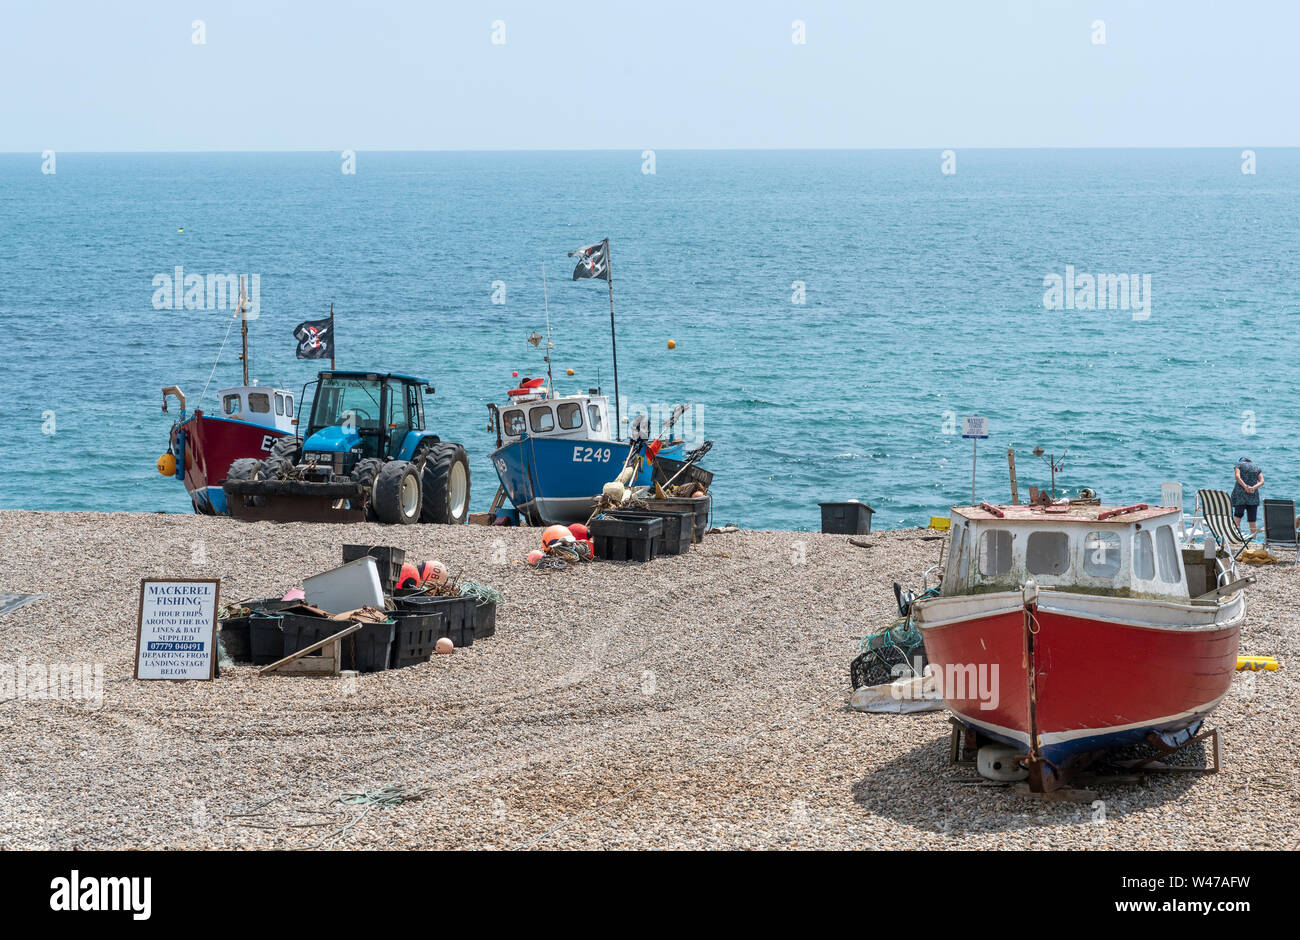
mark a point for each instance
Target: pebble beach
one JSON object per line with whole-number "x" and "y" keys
{"x": 698, "y": 701}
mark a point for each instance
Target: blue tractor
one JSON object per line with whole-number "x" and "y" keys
{"x": 365, "y": 456}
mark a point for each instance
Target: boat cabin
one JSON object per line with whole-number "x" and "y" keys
{"x": 569, "y": 417}
{"x": 1130, "y": 551}
{"x": 258, "y": 404}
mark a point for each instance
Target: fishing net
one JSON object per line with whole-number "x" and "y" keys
{"x": 895, "y": 652}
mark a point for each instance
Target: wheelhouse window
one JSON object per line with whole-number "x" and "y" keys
{"x": 514, "y": 423}
{"x": 995, "y": 552}
{"x": 1167, "y": 555}
{"x": 230, "y": 404}
{"x": 1101, "y": 554}
{"x": 1144, "y": 563}
{"x": 259, "y": 402}
{"x": 279, "y": 403}
{"x": 593, "y": 415}
{"x": 1047, "y": 553}
{"x": 570, "y": 414}
{"x": 288, "y": 405}
{"x": 542, "y": 420}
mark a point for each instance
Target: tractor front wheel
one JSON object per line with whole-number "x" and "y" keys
{"x": 397, "y": 493}
{"x": 247, "y": 468}
{"x": 444, "y": 476}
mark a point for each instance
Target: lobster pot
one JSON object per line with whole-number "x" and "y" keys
{"x": 886, "y": 658}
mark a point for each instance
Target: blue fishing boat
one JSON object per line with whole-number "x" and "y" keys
{"x": 554, "y": 455}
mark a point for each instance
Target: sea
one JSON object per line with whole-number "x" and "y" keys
{"x": 833, "y": 316}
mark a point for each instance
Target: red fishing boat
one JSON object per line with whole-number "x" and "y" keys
{"x": 1063, "y": 631}
{"x": 201, "y": 447}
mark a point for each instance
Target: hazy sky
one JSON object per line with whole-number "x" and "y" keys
{"x": 643, "y": 74}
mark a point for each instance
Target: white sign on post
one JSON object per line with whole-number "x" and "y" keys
{"x": 176, "y": 637}
{"x": 975, "y": 426}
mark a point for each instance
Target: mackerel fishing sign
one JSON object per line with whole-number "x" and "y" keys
{"x": 176, "y": 633}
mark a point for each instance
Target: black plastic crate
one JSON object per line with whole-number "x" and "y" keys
{"x": 485, "y": 620}
{"x": 265, "y": 638}
{"x": 678, "y": 528}
{"x": 459, "y": 612}
{"x": 625, "y": 539}
{"x": 369, "y": 649}
{"x": 301, "y": 630}
{"x": 387, "y": 559}
{"x": 236, "y": 638}
{"x": 666, "y": 469}
{"x": 700, "y": 505}
{"x": 416, "y": 635}
{"x": 847, "y": 518}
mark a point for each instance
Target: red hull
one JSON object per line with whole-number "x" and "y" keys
{"x": 212, "y": 444}
{"x": 1096, "y": 684}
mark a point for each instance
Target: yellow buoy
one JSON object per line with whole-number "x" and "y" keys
{"x": 167, "y": 465}
{"x": 672, "y": 344}
{"x": 568, "y": 372}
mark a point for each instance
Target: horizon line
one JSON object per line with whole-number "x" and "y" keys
{"x": 926, "y": 149}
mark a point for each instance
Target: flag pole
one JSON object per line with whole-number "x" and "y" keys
{"x": 333, "y": 339}
{"x": 243, "y": 327}
{"x": 613, "y": 341}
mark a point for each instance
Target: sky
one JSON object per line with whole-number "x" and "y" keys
{"x": 646, "y": 74}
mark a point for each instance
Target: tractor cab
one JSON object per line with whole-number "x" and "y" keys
{"x": 365, "y": 414}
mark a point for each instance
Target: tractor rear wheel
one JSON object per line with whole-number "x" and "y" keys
{"x": 366, "y": 472}
{"x": 397, "y": 493}
{"x": 444, "y": 477}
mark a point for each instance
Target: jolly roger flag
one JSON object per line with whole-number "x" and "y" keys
{"x": 315, "y": 339}
{"x": 593, "y": 261}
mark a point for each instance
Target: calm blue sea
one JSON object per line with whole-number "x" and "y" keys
{"x": 923, "y": 303}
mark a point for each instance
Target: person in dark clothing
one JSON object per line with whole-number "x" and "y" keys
{"x": 1245, "y": 493}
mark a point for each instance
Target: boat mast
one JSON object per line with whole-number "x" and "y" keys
{"x": 550, "y": 380}
{"x": 243, "y": 327}
{"x": 609, "y": 270}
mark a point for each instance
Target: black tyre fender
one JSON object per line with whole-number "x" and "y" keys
{"x": 366, "y": 472}
{"x": 396, "y": 478}
{"x": 437, "y": 461}
{"x": 247, "y": 468}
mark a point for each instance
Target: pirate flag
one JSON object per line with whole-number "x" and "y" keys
{"x": 593, "y": 261}
{"x": 315, "y": 339}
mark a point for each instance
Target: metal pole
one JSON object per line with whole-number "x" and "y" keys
{"x": 974, "y": 454}
{"x": 1015, "y": 490}
{"x": 609, "y": 270}
{"x": 333, "y": 339}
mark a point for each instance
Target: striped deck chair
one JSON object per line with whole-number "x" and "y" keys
{"x": 1215, "y": 509}
{"x": 1279, "y": 525}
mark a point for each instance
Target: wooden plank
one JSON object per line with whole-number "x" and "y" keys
{"x": 347, "y": 631}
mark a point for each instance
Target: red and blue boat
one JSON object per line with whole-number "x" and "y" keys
{"x": 1064, "y": 631}
{"x": 201, "y": 447}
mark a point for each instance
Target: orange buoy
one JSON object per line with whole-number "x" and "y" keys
{"x": 672, "y": 344}
{"x": 554, "y": 533}
{"x": 444, "y": 645}
{"x": 568, "y": 372}
{"x": 409, "y": 576}
{"x": 535, "y": 556}
{"x": 433, "y": 572}
{"x": 578, "y": 531}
